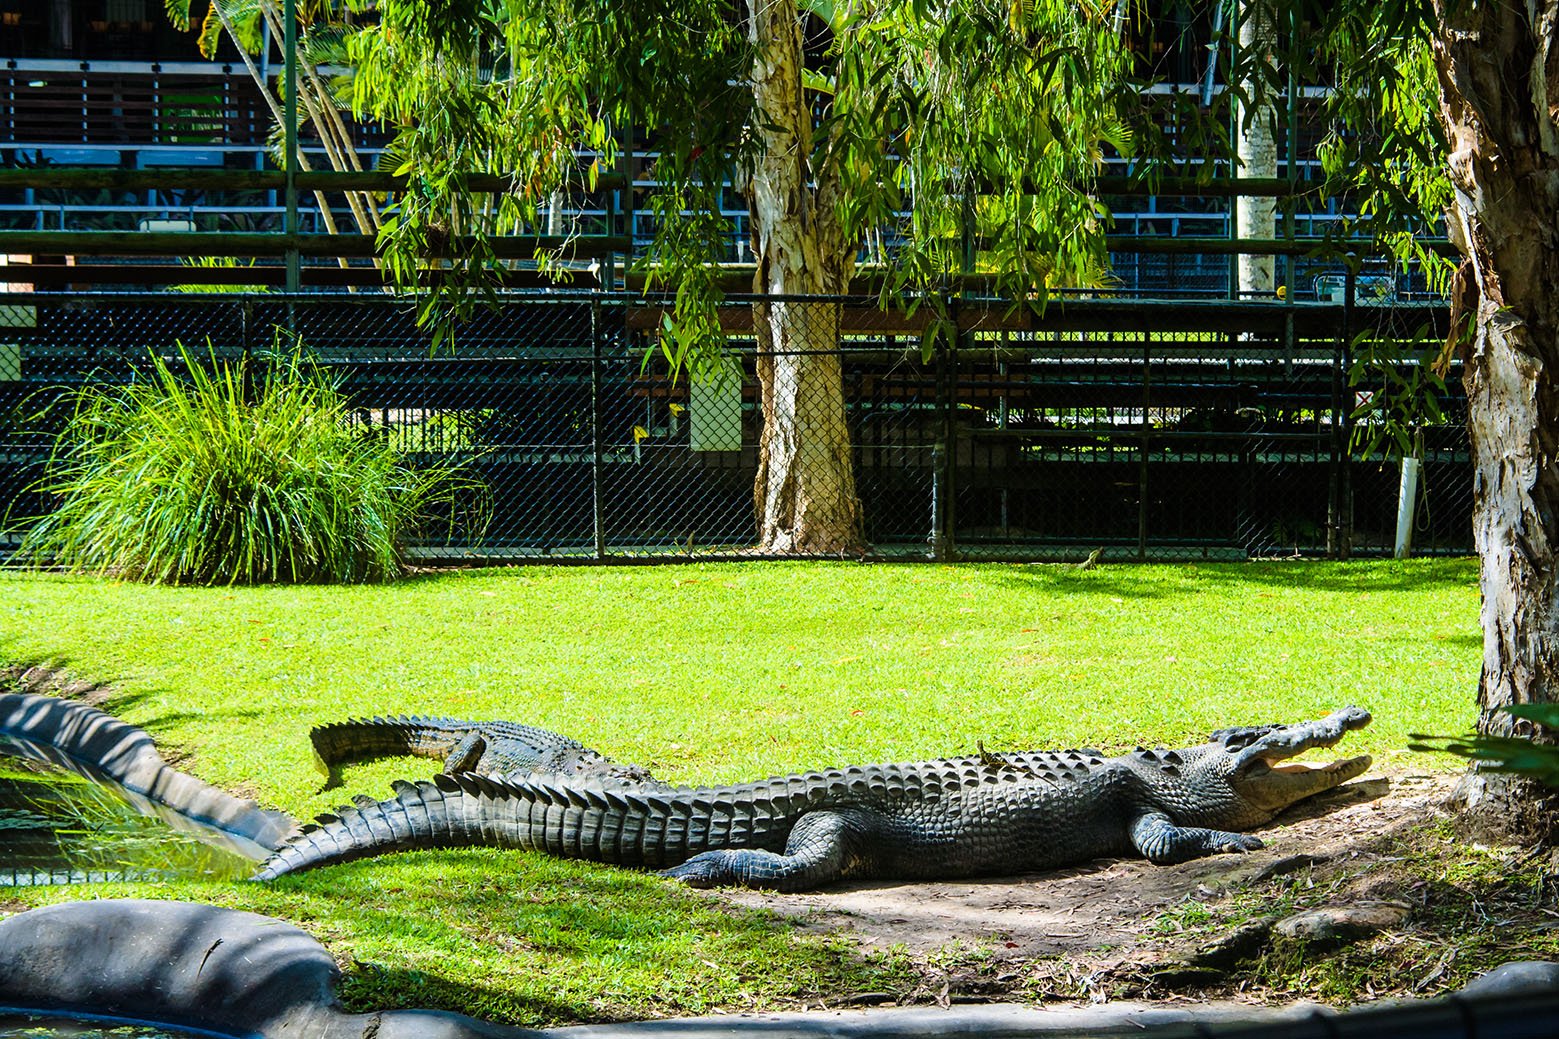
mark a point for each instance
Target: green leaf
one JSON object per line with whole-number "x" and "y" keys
{"x": 817, "y": 81}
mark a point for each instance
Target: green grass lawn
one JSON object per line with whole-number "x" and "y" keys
{"x": 715, "y": 672}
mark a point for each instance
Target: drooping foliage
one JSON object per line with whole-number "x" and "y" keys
{"x": 960, "y": 132}
{"x": 1386, "y": 148}
{"x": 1382, "y": 151}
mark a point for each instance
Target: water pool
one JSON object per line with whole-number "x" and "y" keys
{"x": 60, "y": 827}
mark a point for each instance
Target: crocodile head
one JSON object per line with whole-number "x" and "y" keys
{"x": 1243, "y": 777}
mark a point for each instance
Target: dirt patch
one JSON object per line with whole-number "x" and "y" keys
{"x": 44, "y": 680}
{"x": 1096, "y": 919}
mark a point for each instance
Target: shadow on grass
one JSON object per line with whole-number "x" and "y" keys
{"x": 168, "y": 721}
{"x": 1469, "y": 910}
{"x": 1160, "y": 580}
{"x": 521, "y": 937}
{"x": 368, "y": 988}
{"x": 51, "y": 675}
{"x": 1472, "y": 640}
{"x": 54, "y": 676}
{"x": 1359, "y": 791}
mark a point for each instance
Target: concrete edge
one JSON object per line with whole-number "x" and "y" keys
{"x": 247, "y": 975}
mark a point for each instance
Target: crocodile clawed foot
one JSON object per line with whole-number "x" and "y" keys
{"x": 1242, "y": 842}
{"x": 694, "y": 873}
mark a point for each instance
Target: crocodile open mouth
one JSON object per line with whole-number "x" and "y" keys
{"x": 1303, "y": 768}
{"x": 1275, "y": 786}
{"x": 1273, "y": 750}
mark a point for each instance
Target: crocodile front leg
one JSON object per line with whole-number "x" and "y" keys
{"x": 822, "y": 845}
{"x": 1157, "y": 837}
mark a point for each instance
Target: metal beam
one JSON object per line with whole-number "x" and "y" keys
{"x": 54, "y": 275}
{"x": 1221, "y": 187}
{"x": 246, "y": 244}
{"x": 1311, "y": 320}
{"x": 1323, "y": 247}
{"x": 375, "y": 180}
{"x": 175, "y": 179}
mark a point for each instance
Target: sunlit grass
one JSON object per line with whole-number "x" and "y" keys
{"x": 714, "y": 672}
{"x": 728, "y": 671}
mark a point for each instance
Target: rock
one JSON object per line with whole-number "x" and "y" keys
{"x": 1227, "y": 950}
{"x": 167, "y": 961}
{"x": 1515, "y": 977}
{"x": 1181, "y": 977}
{"x": 1340, "y": 925}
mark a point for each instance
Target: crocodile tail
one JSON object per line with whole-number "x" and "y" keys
{"x": 434, "y": 813}
{"x": 362, "y": 739}
{"x": 625, "y": 825}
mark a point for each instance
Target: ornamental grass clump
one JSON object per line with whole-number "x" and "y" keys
{"x": 222, "y": 474}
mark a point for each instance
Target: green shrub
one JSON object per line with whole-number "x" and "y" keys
{"x": 225, "y": 474}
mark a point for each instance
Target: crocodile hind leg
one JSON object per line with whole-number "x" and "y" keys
{"x": 1157, "y": 837}
{"x": 467, "y": 754}
{"x": 822, "y": 846}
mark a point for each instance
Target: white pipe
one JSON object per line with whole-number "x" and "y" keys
{"x": 1407, "y": 506}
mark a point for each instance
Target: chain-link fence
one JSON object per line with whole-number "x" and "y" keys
{"x": 1185, "y": 431}
{"x": 975, "y": 429}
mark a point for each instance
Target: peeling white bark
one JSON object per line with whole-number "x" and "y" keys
{"x": 1256, "y": 149}
{"x": 1499, "y": 73}
{"x": 805, "y": 491}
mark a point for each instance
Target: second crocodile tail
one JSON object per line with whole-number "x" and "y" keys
{"x": 363, "y": 739}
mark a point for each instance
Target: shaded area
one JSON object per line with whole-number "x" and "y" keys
{"x": 86, "y": 798}
{"x": 194, "y": 966}
{"x": 1149, "y": 429}
{"x": 987, "y": 938}
{"x": 1267, "y": 575}
{"x": 249, "y": 975}
{"x": 23, "y": 1024}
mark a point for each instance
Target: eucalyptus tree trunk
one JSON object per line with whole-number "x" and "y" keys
{"x": 805, "y": 489}
{"x": 1499, "y": 75}
{"x": 1256, "y": 149}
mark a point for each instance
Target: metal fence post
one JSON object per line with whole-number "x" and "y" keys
{"x": 246, "y": 349}
{"x": 1339, "y": 527}
{"x": 1345, "y": 498}
{"x": 246, "y": 330}
{"x": 1143, "y": 445}
{"x": 597, "y": 330}
{"x": 953, "y": 357}
{"x": 944, "y": 447}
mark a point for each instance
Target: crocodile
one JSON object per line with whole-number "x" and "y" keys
{"x": 997, "y": 813}
{"x": 490, "y": 748}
